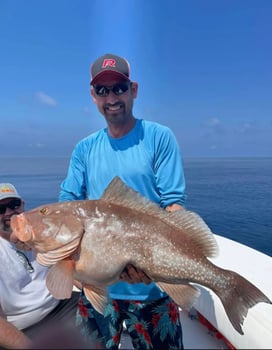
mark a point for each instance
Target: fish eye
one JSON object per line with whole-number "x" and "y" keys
{"x": 44, "y": 211}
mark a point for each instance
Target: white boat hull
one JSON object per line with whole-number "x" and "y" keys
{"x": 257, "y": 268}
{"x": 207, "y": 325}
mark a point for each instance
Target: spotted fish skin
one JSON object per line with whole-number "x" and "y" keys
{"x": 92, "y": 241}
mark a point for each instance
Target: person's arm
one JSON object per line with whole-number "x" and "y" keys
{"x": 73, "y": 187}
{"x": 11, "y": 337}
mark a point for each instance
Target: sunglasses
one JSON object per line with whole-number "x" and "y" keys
{"x": 117, "y": 89}
{"x": 13, "y": 205}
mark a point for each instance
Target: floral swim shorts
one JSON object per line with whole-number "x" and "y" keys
{"x": 151, "y": 325}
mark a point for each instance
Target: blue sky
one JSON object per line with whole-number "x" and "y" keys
{"x": 203, "y": 68}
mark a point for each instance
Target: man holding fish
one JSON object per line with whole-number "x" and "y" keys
{"x": 146, "y": 156}
{"x": 111, "y": 227}
{"x": 26, "y": 306}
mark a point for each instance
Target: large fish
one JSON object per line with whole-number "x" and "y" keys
{"x": 93, "y": 240}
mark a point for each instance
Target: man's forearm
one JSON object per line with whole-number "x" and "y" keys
{"x": 11, "y": 337}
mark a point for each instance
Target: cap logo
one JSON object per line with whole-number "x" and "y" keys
{"x": 7, "y": 190}
{"x": 108, "y": 62}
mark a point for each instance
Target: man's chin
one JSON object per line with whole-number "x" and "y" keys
{"x": 5, "y": 234}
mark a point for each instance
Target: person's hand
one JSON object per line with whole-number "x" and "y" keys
{"x": 133, "y": 275}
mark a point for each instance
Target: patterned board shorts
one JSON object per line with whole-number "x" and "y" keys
{"x": 151, "y": 325}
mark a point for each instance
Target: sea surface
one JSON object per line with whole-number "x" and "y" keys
{"x": 233, "y": 195}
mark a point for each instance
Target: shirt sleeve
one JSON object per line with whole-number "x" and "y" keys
{"x": 168, "y": 167}
{"x": 73, "y": 186}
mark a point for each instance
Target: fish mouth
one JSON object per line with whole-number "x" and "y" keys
{"x": 20, "y": 227}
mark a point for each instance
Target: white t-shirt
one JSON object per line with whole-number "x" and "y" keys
{"x": 24, "y": 297}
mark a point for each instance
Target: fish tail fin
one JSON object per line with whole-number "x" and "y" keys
{"x": 240, "y": 298}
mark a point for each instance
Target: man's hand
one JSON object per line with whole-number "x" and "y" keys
{"x": 133, "y": 275}
{"x": 174, "y": 207}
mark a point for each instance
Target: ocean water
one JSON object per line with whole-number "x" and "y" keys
{"x": 233, "y": 195}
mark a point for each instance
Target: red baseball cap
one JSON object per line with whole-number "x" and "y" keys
{"x": 110, "y": 64}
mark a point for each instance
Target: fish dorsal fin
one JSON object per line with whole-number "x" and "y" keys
{"x": 60, "y": 280}
{"x": 196, "y": 229}
{"x": 97, "y": 297}
{"x": 189, "y": 222}
{"x": 119, "y": 193}
{"x": 184, "y": 295}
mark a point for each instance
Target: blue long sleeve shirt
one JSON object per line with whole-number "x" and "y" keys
{"x": 147, "y": 159}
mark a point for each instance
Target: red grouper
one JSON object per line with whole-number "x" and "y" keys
{"x": 91, "y": 241}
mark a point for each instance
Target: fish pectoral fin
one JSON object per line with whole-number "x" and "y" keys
{"x": 60, "y": 280}
{"x": 97, "y": 297}
{"x": 183, "y": 294}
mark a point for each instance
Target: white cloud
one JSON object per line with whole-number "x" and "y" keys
{"x": 213, "y": 122}
{"x": 36, "y": 145}
{"x": 45, "y": 99}
{"x": 247, "y": 127}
